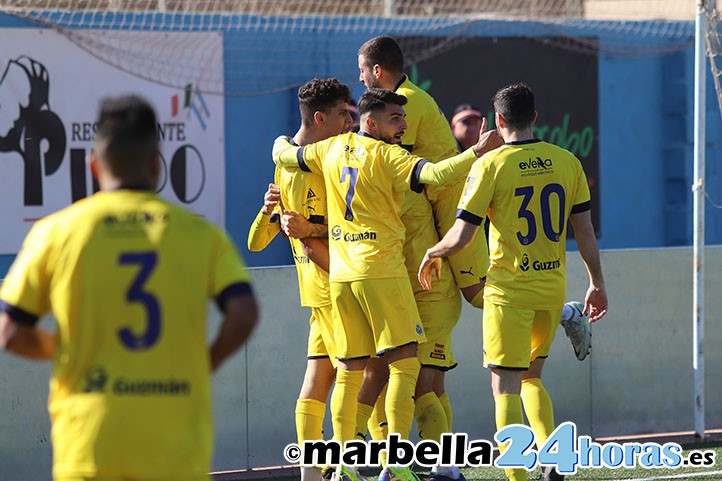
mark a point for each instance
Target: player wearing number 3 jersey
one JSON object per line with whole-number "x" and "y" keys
{"x": 127, "y": 276}
{"x": 528, "y": 189}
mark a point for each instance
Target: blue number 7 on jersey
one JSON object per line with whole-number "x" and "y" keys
{"x": 146, "y": 340}
{"x": 352, "y": 173}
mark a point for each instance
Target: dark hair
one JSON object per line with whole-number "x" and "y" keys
{"x": 320, "y": 95}
{"x": 515, "y": 104}
{"x": 127, "y": 134}
{"x": 374, "y": 100}
{"x": 462, "y": 107}
{"x": 385, "y": 52}
{"x": 353, "y": 110}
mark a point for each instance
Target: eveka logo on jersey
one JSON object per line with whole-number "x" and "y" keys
{"x": 310, "y": 194}
{"x": 536, "y": 164}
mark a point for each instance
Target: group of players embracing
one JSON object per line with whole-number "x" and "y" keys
{"x": 383, "y": 218}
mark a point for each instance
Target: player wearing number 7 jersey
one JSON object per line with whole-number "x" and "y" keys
{"x": 127, "y": 276}
{"x": 529, "y": 189}
{"x": 371, "y": 296}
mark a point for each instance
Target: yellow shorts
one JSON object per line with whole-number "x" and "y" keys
{"x": 469, "y": 266}
{"x": 514, "y": 337}
{"x": 372, "y": 316}
{"x": 438, "y": 319}
{"x": 320, "y": 335}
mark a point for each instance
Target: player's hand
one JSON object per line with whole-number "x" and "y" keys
{"x": 295, "y": 225}
{"x": 271, "y": 199}
{"x": 488, "y": 141}
{"x": 281, "y": 145}
{"x": 595, "y": 303}
{"x": 429, "y": 266}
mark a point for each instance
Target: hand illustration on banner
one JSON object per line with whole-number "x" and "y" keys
{"x": 26, "y": 122}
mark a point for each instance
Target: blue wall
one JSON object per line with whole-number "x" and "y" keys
{"x": 645, "y": 126}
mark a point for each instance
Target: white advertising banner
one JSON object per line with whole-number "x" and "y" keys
{"x": 50, "y": 91}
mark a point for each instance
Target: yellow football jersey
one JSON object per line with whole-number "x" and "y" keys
{"x": 418, "y": 219}
{"x": 264, "y": 229}
{"x": 305, "y": 193}
{"x": 366, "y": 180}
{"x": 528, "y": 189}
{"x": 127, "y": 276}
{"x": 429, "y": 135}
{"x": 428, "y": 130}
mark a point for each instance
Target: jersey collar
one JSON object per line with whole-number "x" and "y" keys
{"x": 523, "y": 142}
{"x": 364, "y": 134}
{"x": 135, "y": 187}
{"x": 403, "y": 79}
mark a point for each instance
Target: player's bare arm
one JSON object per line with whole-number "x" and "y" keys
{"x": 488, "y": 141}
{"x": 297, "y": 226}
{"x": 316, "y": 250}
{"x": 240, "y": 318}
{"x": 31, "y": 342}
{"x": 309, "y": 234}
{"x": 458, "y": 237}
{"x": 451, "y": 169}
{"x": 595, "y": 302}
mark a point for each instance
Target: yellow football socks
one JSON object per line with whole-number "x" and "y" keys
{"x": 309, "y": 420}
{"x": 508, "y": 411}
{"x": 400, "y": 396}
{"x": 538, "y": 408}
{"x": 363, "y": 414}
{"x": 446, "y": 404}
{"x": 378, "y": 423}
{"x": 430, "y": 417}
{"x": 344, "y": 404}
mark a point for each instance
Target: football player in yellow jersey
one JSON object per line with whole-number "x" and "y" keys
{"x": 381, "y": 65}
{"x": 127, "y": 276}
{"x": 428, "y": 135}
{"x": 529, "y": 189}
{"x": 439, "y": 310}
{"x": 324, "y": 113}
{"x": 374, "y": 308}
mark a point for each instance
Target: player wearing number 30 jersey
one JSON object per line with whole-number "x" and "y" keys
{"x": 530, "y": 188}
{"x": 127, "y": 276}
